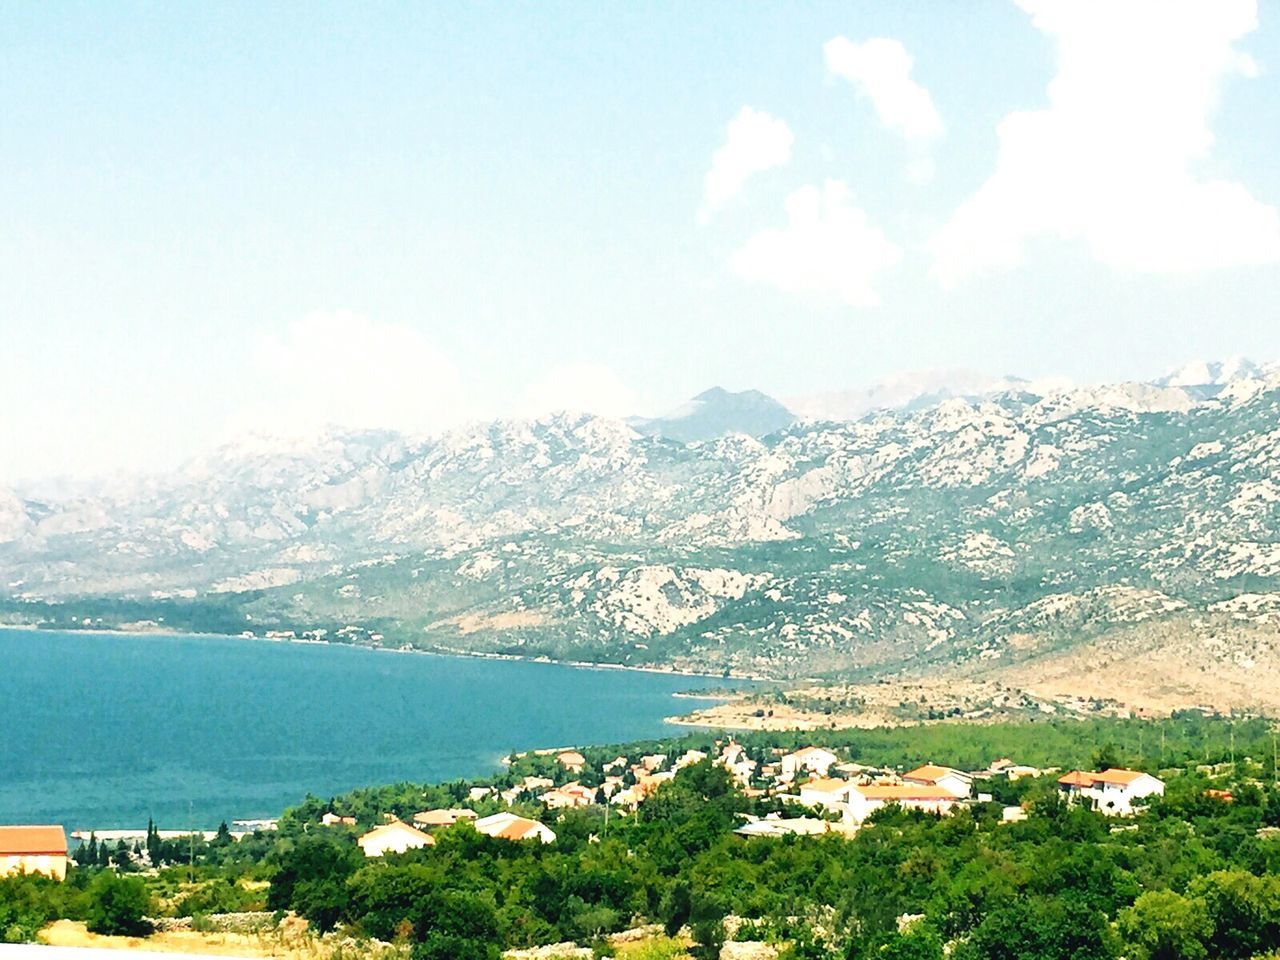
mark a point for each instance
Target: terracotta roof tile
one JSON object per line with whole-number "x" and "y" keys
{"x": 33, "y": 840}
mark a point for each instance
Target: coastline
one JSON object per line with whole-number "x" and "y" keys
{"x": 438, "y": 651}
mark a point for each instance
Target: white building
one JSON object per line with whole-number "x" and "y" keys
{"x": 1112, "y": 791}
{"x": 955, "y": 782}
{"x": 813, "y": 760}
{"x": 508, "y": 826}
{"x": 829, "y": 792}
{"x": 394, "y": 837}
{"x": 864, "y": 799}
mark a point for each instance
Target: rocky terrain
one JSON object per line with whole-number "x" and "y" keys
{"x": 1047, "y": 534}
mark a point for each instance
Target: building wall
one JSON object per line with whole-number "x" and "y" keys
{"x": 49, "y": 864}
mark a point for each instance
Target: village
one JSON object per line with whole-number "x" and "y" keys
{"x": 817, "y": 791}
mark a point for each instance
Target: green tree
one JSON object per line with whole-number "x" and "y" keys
{"x": 1244, "y": 911}
{"x": 1163, "y": 925}
{"x": 918, "y": 942}
{"x": 1040, "y": 929}
{"x": 118, "y": 905}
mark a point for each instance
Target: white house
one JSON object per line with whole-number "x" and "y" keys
{"x": 779, "y": 827}
{"x": 570, "y": 795}
{"x": 864, "y": 799}
{"x": 442, "y": 818}
{"x": 394, "y": 837}
{"x": 813, "y": 760}
{"x": 33, "y": 849}
{"x": 508, "y": 826}
{"x": 955, "y": 782}
{"x": 1112, "y": 791}
{"x": 829, "y": 792}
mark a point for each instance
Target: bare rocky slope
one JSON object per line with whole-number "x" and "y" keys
{"x": 1008, "y": 532}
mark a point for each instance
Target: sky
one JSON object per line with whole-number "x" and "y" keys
{"x": 218, "y": 218}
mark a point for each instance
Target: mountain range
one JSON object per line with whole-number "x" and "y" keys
{"x": 1075, "y": 534}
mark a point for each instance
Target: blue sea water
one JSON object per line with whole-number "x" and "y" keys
{"x": 105, "y": 731}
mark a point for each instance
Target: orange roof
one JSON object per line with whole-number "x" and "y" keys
{"x": 903, "y": 791}
{"x": 929, "y": 773}
{"x": 1077, "y": 778}
{"x": 571, "y": 758}
{"x": 33, "y": 840}
{"x": 825, "y": 784}
{"x": 399, "y": 826}
{"x": 1115, "y": 775}
{"x": 517, "y": 829}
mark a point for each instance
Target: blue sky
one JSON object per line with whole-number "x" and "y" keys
{"x": 225, "y": 217}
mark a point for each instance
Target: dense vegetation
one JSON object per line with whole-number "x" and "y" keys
{"x": 1197, "y": 875}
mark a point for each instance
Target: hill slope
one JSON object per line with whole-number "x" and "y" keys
{"x": 970, "y": 535}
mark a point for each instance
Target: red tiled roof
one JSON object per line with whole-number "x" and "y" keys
{"x": 33, "y": 840}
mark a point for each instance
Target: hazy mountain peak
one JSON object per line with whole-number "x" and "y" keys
{"x": 915, "y": 390}
{"x": 717, "y": 412}
{"x": 1216, "y": 373}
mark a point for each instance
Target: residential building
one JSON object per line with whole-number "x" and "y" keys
{"x": 813, "y": 760}
{"x": 689, "y": 758}
{"x": 331, "y": 819}
{"x": 442, "y": 818}
{"x": 1113, "y": 791}
{"x": 33, "y": 849}
{"x": 508, "y": 826}
{"x": 829, "y": 792}
{"x": 864, "y": 799}
{"x": 393, "y": 837}
{"x": 571, "y": 760}
{"x": 778, "y": 827}
{"x": 955, "y": 782}
{"x": 570, "y": 795}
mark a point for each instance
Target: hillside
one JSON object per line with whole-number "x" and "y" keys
{"x": 983, "y": 534}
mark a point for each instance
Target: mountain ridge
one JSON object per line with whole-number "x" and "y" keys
{"x": 974, "y": 534}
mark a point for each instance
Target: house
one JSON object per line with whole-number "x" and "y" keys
{"x": 1017, "y": 771}
{"x": 953, "y": 781}
{"x": 829, "y": 792}
{"x": 34, "y": 849}
{"x": 653, "y": 761}
{"x": 689, "y": 758}
{"x": 393, "y": 837}
{"x": 442, "y": 818}
{"x": 570, "y": 795}
{"x": 478, "y": 793}
{"x": 331, "y": 819}
{"x": 508, "y": 826}
{"x": 571, "y": 760}
{"x": 1012, "y": 815}
{"x": 813, "y": 760}
{"x": 1112, "y": 791}
{"x": 777, "y": 827}
{"x": 864, "y": 799}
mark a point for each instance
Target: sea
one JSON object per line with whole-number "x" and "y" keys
{"x": 103, "y": 731}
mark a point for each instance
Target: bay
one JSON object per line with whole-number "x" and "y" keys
{"x": 104, "y": 731}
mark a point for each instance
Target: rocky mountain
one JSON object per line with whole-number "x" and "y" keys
{"x": 985, "y": 534}
{"x": 916, "y": 391}
{"x": 717, "y": 413}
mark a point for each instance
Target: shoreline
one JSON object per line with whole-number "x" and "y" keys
{"x": 439, "y": 651}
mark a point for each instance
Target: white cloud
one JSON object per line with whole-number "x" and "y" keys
{"x": 755, "y": 142}
{"x": 349, "y": 370}
{"x": 1110, "y": 161}
{"x": 880, "y": 69}
{"x": 580, "y": 388}
{"x": 827, "y": 247}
